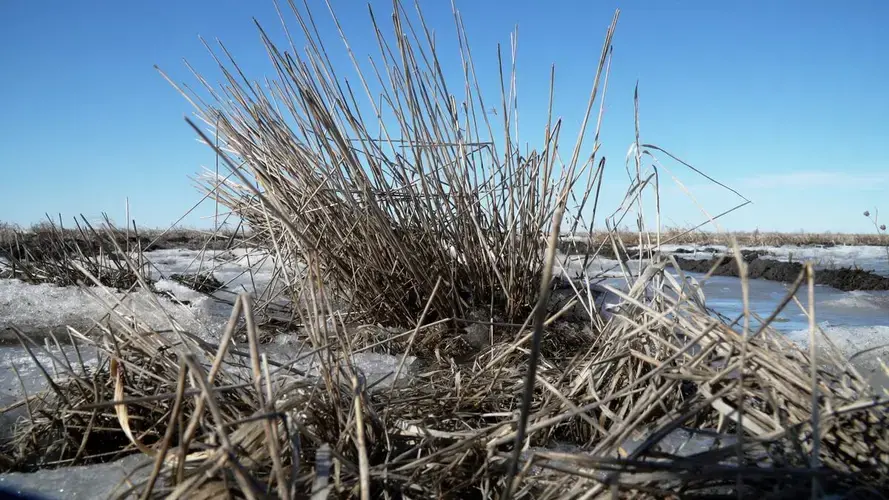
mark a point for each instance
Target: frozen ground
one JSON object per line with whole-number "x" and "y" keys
{"x": 855, "y": 321}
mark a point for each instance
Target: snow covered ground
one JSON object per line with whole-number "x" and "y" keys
{"x": 855, "y": 321}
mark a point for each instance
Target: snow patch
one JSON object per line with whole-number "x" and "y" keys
{"x": 866, "y": 347}
{"x": 86, "y": 481}
{"x": 35, "y": 308}
{"x": 850, "y": 340}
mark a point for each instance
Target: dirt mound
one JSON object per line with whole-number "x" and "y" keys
{"x": 845, "y": 279}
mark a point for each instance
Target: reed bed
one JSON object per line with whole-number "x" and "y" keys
{"x": 54, "y": 254}
{"x": 147, "y": 239}
{"x": 581, "y": 243}
{"x": 436, "y": 238}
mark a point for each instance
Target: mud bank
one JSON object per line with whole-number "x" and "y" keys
{"x": 845, "y": 279}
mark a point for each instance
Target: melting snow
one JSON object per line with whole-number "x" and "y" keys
{"x": 86, "y": 482}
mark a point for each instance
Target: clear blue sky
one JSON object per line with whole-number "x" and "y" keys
{"x": 783, "y": 100}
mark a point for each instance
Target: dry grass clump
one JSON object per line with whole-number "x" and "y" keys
{"x": 437, "y": 194}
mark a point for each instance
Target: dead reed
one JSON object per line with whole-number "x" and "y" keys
{"x": 436, "y": 195}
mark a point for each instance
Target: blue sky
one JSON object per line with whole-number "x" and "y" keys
{"x": 784, "y": 101}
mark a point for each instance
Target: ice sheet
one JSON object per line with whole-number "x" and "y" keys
{"x": 37, "y": 308}
{"x": 231, "y": 267}
{"x": 30, "y": 374}
{"x": 723, "y": 293}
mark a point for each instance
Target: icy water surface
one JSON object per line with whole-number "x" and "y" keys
{"x": 832, "y": 306}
